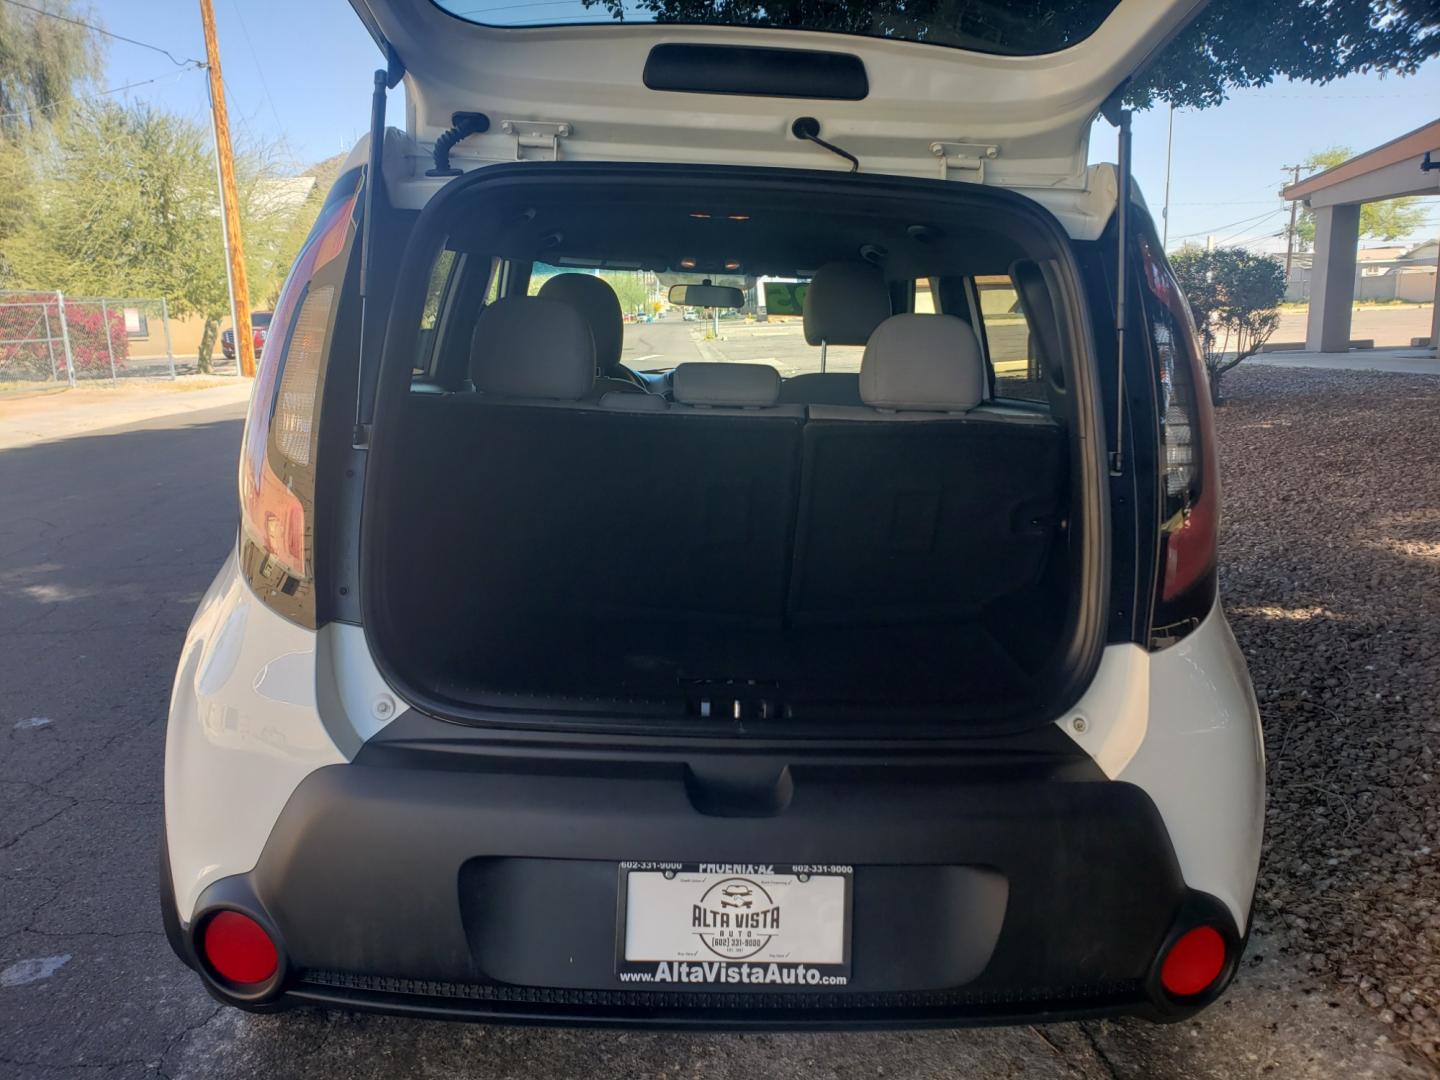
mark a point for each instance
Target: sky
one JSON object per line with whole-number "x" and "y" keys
{"x": 298, "y": 71}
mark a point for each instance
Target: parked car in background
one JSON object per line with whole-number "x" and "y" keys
{"x": 259, "y": 327}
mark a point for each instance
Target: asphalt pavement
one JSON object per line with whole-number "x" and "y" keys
{"x": 106, "y": 543}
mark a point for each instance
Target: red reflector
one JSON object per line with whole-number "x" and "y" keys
{"x": 239, "y": 949}
{"x": 1194, "y": 962}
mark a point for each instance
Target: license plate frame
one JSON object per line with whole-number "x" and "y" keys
{"x": 725, "y": 926}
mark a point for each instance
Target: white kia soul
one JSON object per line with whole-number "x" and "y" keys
{"x": 727, "y": 537}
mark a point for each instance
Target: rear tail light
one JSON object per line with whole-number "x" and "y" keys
{"x": 276, "y": 460}
{"x": 1194, "y": 963}
{"x": 1190, "y": 481}
{"x": 238, "y": 950}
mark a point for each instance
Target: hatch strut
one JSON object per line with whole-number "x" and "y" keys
{"x": 384, "y": 79}
{"x": 1117, "y": 114}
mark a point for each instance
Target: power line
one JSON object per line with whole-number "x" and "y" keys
{"x": 259, "y": 67}
{"x": 107, "y": 33}
{"x": 1243, "y": 231}
{"x": 102, "y": 93}
{"x": 1232, "y": 224}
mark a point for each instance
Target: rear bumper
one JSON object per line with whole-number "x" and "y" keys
{"x": 471, "y": 893}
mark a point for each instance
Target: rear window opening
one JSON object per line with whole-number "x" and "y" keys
{"x": 1013, "y": 27}
{"x": 857, "y": 500}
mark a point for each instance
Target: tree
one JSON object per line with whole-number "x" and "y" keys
{"x": 630, "y": 290}
{"x": 128, "y": 207}
{"x": 1248, "y": 43}
{"x": 1232, "y": 43}
{"x": 44, "y": 62}
{"x": 1235, "y": 297}
{"x": 1389, "y": 219}
{"x": 325, "y": 173}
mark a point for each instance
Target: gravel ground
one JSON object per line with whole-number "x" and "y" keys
{"x": 1330, "y": 550}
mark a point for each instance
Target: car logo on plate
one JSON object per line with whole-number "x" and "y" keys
{"x": 735, "y": 918}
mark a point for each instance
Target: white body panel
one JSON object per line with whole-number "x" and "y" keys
{"x": 260, "y": 703}
{"x": 931, "y": 111}
{"x": 1202, "y": 761}
{"x": 1083, "y": 209}
{"x": 1183, "y": 725}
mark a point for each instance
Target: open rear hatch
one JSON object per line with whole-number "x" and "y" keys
{"x": 562, "y": 565}
{"x": 999, "y": 91}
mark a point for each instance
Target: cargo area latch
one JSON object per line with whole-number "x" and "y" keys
{"x": 536, "y": 140}
{"x": 963, "y": 159}
{"x": 736, "y": 700}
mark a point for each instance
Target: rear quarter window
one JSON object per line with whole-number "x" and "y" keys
{"x": 1007, "y": 334}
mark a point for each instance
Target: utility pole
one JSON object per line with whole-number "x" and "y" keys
{"x": 1290, "y": 232}
{"x": 229, "y": 200}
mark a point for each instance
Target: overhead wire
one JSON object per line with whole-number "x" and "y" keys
{"x": 1242, "y": 232}
{"x": 236, "y": 6}
{"x": 1232, "y": 224}
{"x": 107, "y": 33}
{"x": 96, "y": 96}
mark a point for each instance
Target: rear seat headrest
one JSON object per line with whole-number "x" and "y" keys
{"x": 530, "y": 347}
{"x": 844, "y": 303}
{"x": 734, "y": 386}
{"x": 923, "y": 363}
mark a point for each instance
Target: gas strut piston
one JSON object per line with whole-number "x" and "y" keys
{"x": 1115, "y": 111}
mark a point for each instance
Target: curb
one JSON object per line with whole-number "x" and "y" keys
{"x": 61, "y": 419}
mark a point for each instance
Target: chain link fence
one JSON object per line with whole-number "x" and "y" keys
{"x": 52, "y": 339}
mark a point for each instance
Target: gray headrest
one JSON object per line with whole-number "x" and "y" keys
{"x": 735, "y": 386}
{"x": 594, "y": 298}
{"x": 528, "y": 347}
{"x": 925, "y": 363}
{"x": 844, "y": 302}
{"x": 620, "y": 401}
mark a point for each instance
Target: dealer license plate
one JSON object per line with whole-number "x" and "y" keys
{"x": 738, "y": 926}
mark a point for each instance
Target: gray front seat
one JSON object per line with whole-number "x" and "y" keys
{"x": 844, "y": 303}
{"x": 596, "y": 301}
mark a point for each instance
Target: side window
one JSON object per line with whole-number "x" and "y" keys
{"x": 435, "y": 293}
{"x": 926, "y": 297}
{"x": 1012, "y": 352}
{"x": 460, "y": 286}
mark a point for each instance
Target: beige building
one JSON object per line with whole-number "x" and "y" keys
{"x": 1409, "y": 165}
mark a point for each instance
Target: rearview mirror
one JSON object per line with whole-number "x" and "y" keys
{"x": 722, "y": 296}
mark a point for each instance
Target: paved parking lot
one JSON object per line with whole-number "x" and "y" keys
{"x": 106, "y": 543}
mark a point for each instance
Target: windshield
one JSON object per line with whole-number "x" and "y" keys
{"x": 1014, "y": 27}
{"x": 769, "y": 329}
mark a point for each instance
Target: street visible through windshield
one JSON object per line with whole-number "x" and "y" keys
{"x": 670, "y": 340}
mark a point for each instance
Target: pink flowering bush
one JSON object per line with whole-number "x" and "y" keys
{"x": 22, "y": 321}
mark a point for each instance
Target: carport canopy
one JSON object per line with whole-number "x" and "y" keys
{"x": 1389, "y": 171}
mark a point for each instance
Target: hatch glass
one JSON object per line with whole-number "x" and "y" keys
{"x": 1006, "y": 27}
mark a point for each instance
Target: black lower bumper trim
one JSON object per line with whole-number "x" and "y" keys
{"x": 562, "y": 1005}
{"x": 493, "y": 893}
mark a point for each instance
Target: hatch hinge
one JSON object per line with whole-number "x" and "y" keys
{"x": 536, "y": 140}
{"x": 965, "y": 160}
